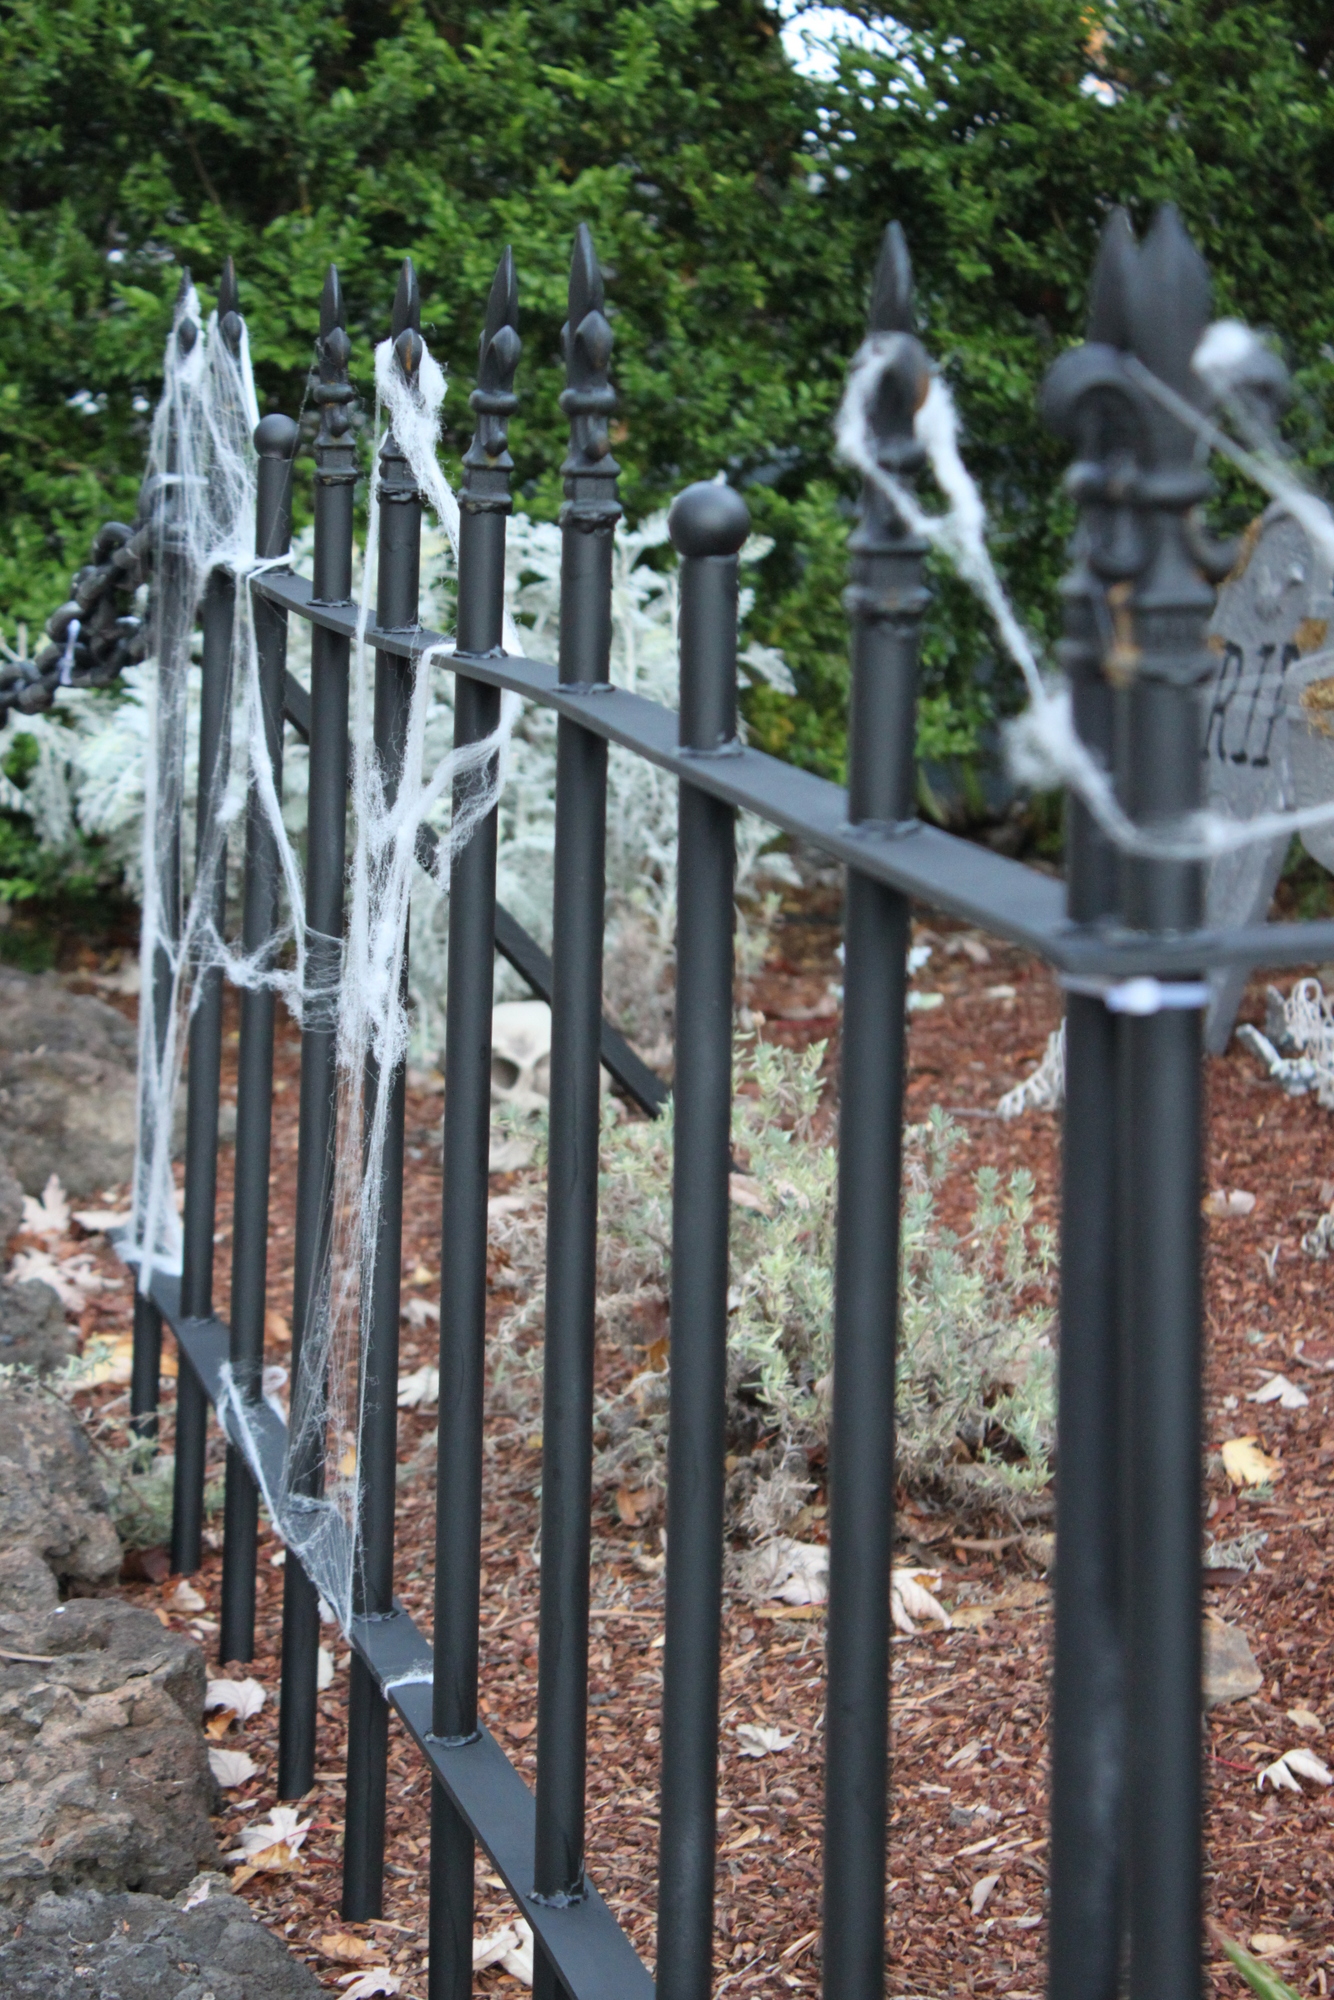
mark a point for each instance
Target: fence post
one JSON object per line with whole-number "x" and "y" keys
{"x": 397, "y": 591}
{"x": 204, "y": 1073}
{"x": 886, "y": 600}
{"x": 1140, "y": 481}
{"x": 1088, "y": 1693}
{"x": 484, "y": 503}
{"x": 172, "y": 608}
{"x": 335, "y": 476}
{"x": 587, "y": 521}
{"x": 708, "y": 526}
{"x": 275, "y": 441}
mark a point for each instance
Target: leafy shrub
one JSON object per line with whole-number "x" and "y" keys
{"x": 976, "y": 1376}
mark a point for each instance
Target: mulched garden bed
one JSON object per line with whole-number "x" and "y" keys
{"x": 970, "y": 1705}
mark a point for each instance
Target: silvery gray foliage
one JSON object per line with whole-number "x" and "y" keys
{"x": 88, "y": 778}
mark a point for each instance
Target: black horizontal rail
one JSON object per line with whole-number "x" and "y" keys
{"x": 957, "y": 876}
{"x": 517, "y": 946}
{"x": 583, "y": 1940}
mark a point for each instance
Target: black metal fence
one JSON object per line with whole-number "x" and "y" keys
{"x": 1122, "y": 933}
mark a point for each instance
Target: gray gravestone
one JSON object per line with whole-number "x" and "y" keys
{"x": 1269, "y": 629}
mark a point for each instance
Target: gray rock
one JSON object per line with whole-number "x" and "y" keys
{"x": 131, "y": 1947}
{"x": 51, "y": 1499}
{"x": 28, "y": 1589}
{"x": 67, "y": 1088}
{"x": 1230, "y": 1669}
{"x": 33, "y": 1333}
{"x": 103, "y": 1763}
{"x": 11, "y": 1203}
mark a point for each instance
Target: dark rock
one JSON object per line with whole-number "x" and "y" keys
{"x": 33, "y": 1333}
{"x": 51, "y": 1499}
{"x": 67, "y": 1086}
{"x": 103, "y": 1763}
{"x": 134, "y": 1947}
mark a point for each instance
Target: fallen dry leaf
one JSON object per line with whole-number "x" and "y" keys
{"x": 1220, "y": 1202}
{"x": 1266, "y": 1944}
{"x": 1283, "y": 1773}
{"x": 1279, "y": 1390}
{"x": 982, "y": 1893}
{"x": 283, "y": 1828}
{"x": 760, "y": 1742}
{"x": 186, "y": 1598}
{"x": 909, "y": 1599}
{"x": 1246, "y": 1465}
{"x": 743, "y": 1192}
{"x": 345, "y": 1949}
{"x": 1304, "y": 1719}
{"x": 232, "y": 1767}
{"x": 50, "y": 1216}
{"x": 364, "y": 1985}
{"x": 238, "y": 1701}
{"x": 420, "y": 1389}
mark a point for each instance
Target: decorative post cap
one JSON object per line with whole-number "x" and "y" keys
{"x": 405, "y": 325}
{"x": 708, "y": 520}
{"x": 494, "y": 400}
{"x": 276, "y": 436}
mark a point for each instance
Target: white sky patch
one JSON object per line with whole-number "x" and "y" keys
{"x": 813, "y": 36}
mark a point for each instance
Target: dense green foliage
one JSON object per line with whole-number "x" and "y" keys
{"x": 737, "y": 206}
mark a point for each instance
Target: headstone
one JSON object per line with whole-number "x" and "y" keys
{"x": 1273, "y": 614}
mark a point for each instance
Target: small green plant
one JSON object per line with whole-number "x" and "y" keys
{"x": 976, "y": 1367}
{"x": 1258, "y": 1976}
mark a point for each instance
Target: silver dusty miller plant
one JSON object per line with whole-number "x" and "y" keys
{"x": 976, "y": 1364}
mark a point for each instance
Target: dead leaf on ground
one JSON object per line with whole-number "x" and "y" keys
{"x": 1227, "y": 1202}
{"x": 345, "y": 1949}
{"x": 982, "y": 1893}
{"x": 1267, "y": 1944}
{"x": 1246, "y": 1464}
{"x": 632, "y": 1504}
{"x": 1304, "y": 1719}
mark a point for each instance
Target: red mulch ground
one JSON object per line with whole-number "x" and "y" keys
{"x": 971, "y": 1704}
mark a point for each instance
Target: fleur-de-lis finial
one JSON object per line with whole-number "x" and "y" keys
{"x": 494, "y": 399}
{"x": 405, "y": 325}
{"x": 587, "y": 339}
{"x": 332, "y": 392}
{"x": 187, "y": 333}
{"x": 230, "y": 323}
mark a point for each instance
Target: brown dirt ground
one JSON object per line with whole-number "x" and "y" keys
{"x": 970, "y": 1705}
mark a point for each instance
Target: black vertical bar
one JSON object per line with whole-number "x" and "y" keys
{"x": 204, "y": 1077}
{"x": 275, "y": 441}
{"x": 588, "y": 519}
{"x": 1088, "y": 1677}
{"x": 173, "y": 607}
{"x": 1160, "y": 776}
{"x": 484, "y": 504}
{"x": 335, "y": 474}
{"x": 397, "y": 589}
{"x": 886, "y": 600}
{"x": 708, "y": 525}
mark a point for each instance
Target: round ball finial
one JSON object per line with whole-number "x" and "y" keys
{"x": 708, "y": 520}
{"x": 276, "y": 436}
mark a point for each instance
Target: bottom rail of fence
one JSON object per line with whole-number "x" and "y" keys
{"x": 592, "y": 1956}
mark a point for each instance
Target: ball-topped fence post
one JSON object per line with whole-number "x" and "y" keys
{"x": 326, "y": 834}
{"x": 275, "y": 440}
{"x": 397, "y": 591}
{"x": 708, "y": 524}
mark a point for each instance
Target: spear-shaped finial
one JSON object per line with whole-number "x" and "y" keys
{"x": 906, "y": 374}
{"x": 1171, "y": 303}
{"x": 405, "y": 325}
{"x": 333, "y": 313}
{"x": 229, "y": 307}
{"x": 498, "y": 357}
{"x": 587, "y": 339}
{"x": 891, "y": 288}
